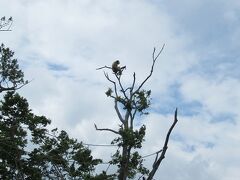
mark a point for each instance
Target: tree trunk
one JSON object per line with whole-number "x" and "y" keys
{"x": 124, "y": 164}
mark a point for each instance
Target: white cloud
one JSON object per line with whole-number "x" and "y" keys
{"x": 217, "y": 96}
{"x": 198, "y": 57}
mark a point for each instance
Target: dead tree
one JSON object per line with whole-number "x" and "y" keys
{"x": 5, "y": 24}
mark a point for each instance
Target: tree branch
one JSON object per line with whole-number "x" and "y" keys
{"x": 120, "y": 84}
{"x": 4, "y": 23}
{"x": 13, "y": 88}
{"x": 133, "y": 84}
{"x": 154, "y": 60}
{"x": 105, "y": 129}
{"x": 104, "y": 67}
{"x": 118, "y": 112}
{"x": 158, "y": 161}
{"x": 115, "y": 101}
{"x": 114, "y": 83}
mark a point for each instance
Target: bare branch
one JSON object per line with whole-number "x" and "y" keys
{"x": 6, "y": 23}
{"x": 121, "y": 86}
{"x": 107, "y": 77}
{"x": 158, "y": 53}
{"x": 154, "y": 60}
{"x": 156, "y": 158}
{"x": 114, "y": 83}
{"x": 118, "y": 112}
{"x": 10, "y": 24}
{"x": 129, "y": 88}
{"x": 105, "y": 129}
{"x": 115, "y": 90}
{"x": 152, "y": 154}
{"x": 104, "y": 67}
{"x": 158, "y": 161}
{"x": 132, "y": 115}
{"x": 133, "y": 84}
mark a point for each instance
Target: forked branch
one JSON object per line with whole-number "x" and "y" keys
{"x": 113, "y": 82}
{"x": 5, "y": 24}
{"x": 154, "y": 58}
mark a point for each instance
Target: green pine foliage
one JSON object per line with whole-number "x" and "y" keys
{"x": 28, "y": 149}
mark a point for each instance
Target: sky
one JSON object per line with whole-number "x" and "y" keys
{"x": 60, "y": 43}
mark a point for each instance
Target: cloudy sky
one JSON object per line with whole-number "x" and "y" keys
{"x": 60, "y": 43}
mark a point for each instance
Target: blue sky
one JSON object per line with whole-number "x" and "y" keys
{"x": 59, "y": 44}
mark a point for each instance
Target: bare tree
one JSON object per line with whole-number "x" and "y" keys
{"x": 129, "y": 101}
{"x": 5, "y": 24}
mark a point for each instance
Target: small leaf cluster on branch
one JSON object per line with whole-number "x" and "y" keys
{"x": 129, "y": 137}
